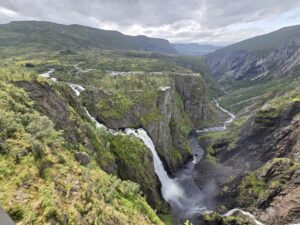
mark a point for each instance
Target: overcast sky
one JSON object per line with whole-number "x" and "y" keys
{"x": 203, "y": 21}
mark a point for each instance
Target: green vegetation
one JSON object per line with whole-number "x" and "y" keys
{"x": 166, "y": 218}
{"x": 245, "y": 98}
{"x": 31, "y": 189}
{"x": 228, "y": 137}
{"x": 262, "y": 43}
{"x": 42, "y": 136}
{"x": 123, "y": 93}
{"x": 258, "y": 185}
{"x": 58, "y": 36}
{"x": 216, "y": 219}
{"x": 41, "y": 182}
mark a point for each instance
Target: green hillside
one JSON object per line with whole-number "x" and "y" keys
{"x": 52, "y": 35}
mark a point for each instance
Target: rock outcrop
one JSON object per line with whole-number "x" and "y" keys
{"x": 193, "y": 93}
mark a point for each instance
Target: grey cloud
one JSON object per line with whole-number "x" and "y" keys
{"x": 177, "y": 20}
{"x": 243, "y": 11}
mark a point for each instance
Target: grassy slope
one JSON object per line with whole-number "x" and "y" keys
{"x": 41, "y": 181}
{"x": 245, "y": 98}
{"x": 67, "y": 66}
{"x": 51, "y": 35}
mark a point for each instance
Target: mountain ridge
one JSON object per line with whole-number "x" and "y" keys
{"x": 270, "y": 55}
{"x": 74, "y": 36}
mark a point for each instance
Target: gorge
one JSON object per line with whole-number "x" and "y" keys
{"x": 96, "y": 130}
{"x": 181, "y": 192}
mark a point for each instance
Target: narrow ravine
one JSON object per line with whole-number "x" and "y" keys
{"x": 170, "y": 189}
{"x": 181, "y": 192}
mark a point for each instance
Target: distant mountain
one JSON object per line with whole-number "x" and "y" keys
{"x": 263, "y": 57}
{"x": 47, "y": 34}
{"x": 194, "y": 49}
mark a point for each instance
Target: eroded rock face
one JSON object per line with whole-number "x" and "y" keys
{"x": 267, "y": 158}
{"x": 282, "y": 206}
{"x": 178, "y": 108}
{"x": 267, "y": 134}
{"x": 193, "y": 93}
{"x": 67, "y": 113}
{"x": 240, "y": 64}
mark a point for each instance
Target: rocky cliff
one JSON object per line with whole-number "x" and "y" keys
{"x": 275, "y": 54}
{"x": 168, "y": 113}
{"x": 120, "y": 155}
{"x": 46, "y": 179}
{"x": 266, "y": 165}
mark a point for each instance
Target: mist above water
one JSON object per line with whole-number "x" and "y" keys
{"x": 181, "y": 192}
{"x": 170, "y": 189}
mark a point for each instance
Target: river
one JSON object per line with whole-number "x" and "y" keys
{"x": 181, "y": 192}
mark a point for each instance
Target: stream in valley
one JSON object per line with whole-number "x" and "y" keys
{"x": 186, "y": 199}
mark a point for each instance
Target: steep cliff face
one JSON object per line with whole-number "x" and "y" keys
{"x": 258, "y": 160}
{"x": 269, "y": 133}
{"x": 275, "y": 54}
{"x": 45, "y": 179}
{"x": 194, "y": 96}
{"x": 267, "y": 161}
{"x": 168, "y": 113}
{"x": 120, "y": 155}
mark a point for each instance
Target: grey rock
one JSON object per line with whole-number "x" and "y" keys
{"x": 83, "y": 158}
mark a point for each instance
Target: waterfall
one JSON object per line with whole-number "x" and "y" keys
{"x": 99, "y": 125}
{"x": 190, "y": 202}
{"x": 170, "y": 189}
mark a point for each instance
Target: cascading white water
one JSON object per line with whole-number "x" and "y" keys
{"x": 170, "y": 189}
{"x": 77, "y": 88}
{"x": 47, "y": 74}
{"x": 99, "y": 125}
{"x": 233, "y": 211}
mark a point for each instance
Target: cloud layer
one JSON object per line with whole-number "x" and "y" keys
{"x": 203, "y": 21}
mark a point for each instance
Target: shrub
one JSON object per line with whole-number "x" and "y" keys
{"x": 4, "y": 149}
{"x": 16, "y": 213}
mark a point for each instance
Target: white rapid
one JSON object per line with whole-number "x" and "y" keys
{"x": 233, "y": 211}
{"x": 47, "y": 74}
{"x": 77, "y": 88}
